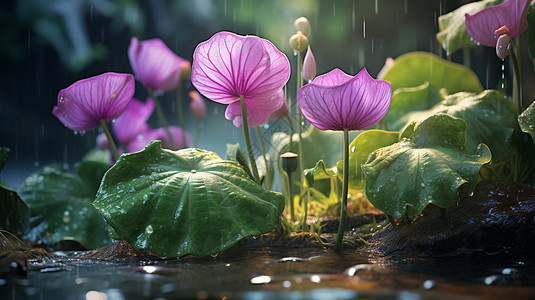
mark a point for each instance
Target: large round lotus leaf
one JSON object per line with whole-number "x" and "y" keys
{"x": 181, "y": 202}
{"x": 428, "y": 166}
{"x": 60, "y": 205}
{"x": 416, "y": 68}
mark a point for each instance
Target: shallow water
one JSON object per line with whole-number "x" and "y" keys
{"x": 277, "y": 273}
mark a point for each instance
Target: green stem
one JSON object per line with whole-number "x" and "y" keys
{"x": 248, "y": 140}
{"x": 179, "y": 112}
{"x": 517, "y": 94}
{"x": 291, "y": 196}
{"x": 343, "y": 212}
{"x": 264, "y": 154}
{"x": 305, "y": 225}
{"x": 197, "y": 133}
{"x": 299, "y": 115}
{"x": 466, "y": 56}
{"x": 162, "y": 117}
{"x": 110, "y": 139}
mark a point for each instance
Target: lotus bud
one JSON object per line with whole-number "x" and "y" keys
{"x": 309, "y": 66}
{"x": 299, "y": 42}
{"x": 197, "y": 105}
{"x": 501, "y": 31}
{"x": 503, "y": 46}
{"x": 302, "y": 24}
{"x": 289, "y": 162}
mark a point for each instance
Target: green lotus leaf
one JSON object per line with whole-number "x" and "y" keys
{"x": 60, "y": 204}
{"x": 14, "y": 212}
{"x": 453, "y": 35}
{"x": 417, "y": 68}
{"x": 359, "y": 150}
{"x": 407, "y": 102}
{"x": 320, "y": 171}
{"x": 429, "y": 165}
{"x": 182, "y": 202}
{"x": 490, "y": 118}
{"x": 234, "y": 153}
{"x": 526, "y": 120}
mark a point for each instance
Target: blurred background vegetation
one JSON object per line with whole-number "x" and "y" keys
{"x": 48, "y": 45}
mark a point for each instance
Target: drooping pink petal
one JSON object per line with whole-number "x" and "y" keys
{"x": 512, "y": 13}
{"x": 83, "y": 104}
{"x": 197, "y": 105}
{"x": 133, "y": 120}
{"x": 337, "y": 101}
{"x": 155, "y": 65}
{"x": 257, "y": 113}
{"x": 228, "y": 65}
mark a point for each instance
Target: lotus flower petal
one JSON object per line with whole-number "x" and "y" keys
{"x": 149, "y": 135}
{"x": 82, "y": 105}
{"x": 258, "y": 113}
{"x": 155, "y": 65}
{"x": 512, "y": 13}
{"x": 228, "y": 65}
{"x": 282, "y": 110}
{"x": 337, "y": 101}
{"x": 133, "y": 121}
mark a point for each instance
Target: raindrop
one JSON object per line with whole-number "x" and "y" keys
{"x": 149, "y": 229}
{"x": 353, "y": 148}
{"x": 61, "y": 100}
{"x": 262, "y": 279}
{"x": 315, "y": 278}
{"x": 376, "y": 7}
{"x": 193, "y": 171}
{"x": 66, "y": 217}
{"x": 286, "y": 284}
{"x": 295, "y": 52}
{"x": 429, "y": 284}
{"x": 334, "y": 10}
{"x": 364, "y": 27}
{"x": 353, "y": 16}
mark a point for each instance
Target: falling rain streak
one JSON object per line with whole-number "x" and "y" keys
{"x": 364, "y": 27}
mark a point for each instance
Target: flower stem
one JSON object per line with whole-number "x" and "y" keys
{"x": 299, "y": 115}
{"x": 343, "y": 211}
{"x": 517, "y": 94}
{"x": 162, "y": 118}
{"x": 179, "y": 112}
{"x": 264, "y": 154}
{"x": 110, "y": 139}
{"x": 197, "y": 129}
{"x": 248, "y": 140}
{"x": 291, "y": 196}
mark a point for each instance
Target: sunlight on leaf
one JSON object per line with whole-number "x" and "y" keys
{"x": 417, "y": 68}
{"x": 359, "y": 150}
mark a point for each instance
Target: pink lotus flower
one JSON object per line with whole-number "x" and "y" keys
{"x": 87, "y": 102}
{"x": 133, "y": 121}
{"x": 228, "y": 66}
{"x": 337, "y": 101}
{"x": 512, "y": 13}
{"x": 150, "y": 135}
{"x": 197, "y": 105}
{"x": 155, "y": 65}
